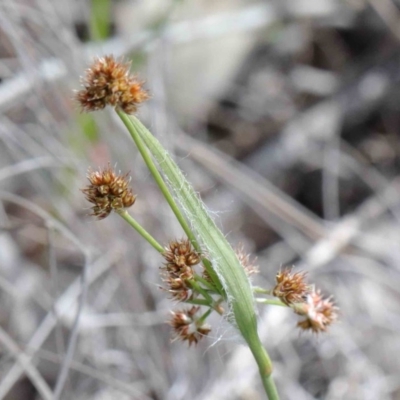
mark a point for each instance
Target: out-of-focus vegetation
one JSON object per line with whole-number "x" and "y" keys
{"x": 284, "y": 115}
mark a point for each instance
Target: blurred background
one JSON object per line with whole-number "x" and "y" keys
{"x": 285, "y": 115}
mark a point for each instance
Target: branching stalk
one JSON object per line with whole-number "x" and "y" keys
{"x": 230, "y": 271}
{"x": 158, "y": 178}
{"x": 139, "y": 228}
{"x": 273, "y": 302}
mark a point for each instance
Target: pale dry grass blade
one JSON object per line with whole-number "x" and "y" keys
{"x": 25, "y": 363}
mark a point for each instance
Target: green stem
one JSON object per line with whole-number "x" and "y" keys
{"x": 214, "y": 277}
{"x": 146, "y": 235}
{"x": 204, "y": 282}
{"x": 265, "y": 368}
{"x": 200, "y": 302}
{"x": 211, "y": 302}
{"x": 260, "y": 290}
{"x": 270, "y": 388}
{"x": 203, "y": 292}
{"x": 158, "y": 178}
{"x": 208, "y": 300}
{"x": 274, "y": 302}
{"x": 201, "y": 320}
{"x": 134, "y": 127}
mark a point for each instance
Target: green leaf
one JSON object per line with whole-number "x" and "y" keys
{"x": 223, "y": 258}
{"x": 236, "y": 286}
{"x": 100, "y": 19}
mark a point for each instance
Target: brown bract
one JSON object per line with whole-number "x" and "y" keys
{"x": 291, "y": 287}
{"x": 108, "y": 191}
{"x": 187, "y": 327}
{"x": 319, "y": 313}
{"x": 107, "y": 82}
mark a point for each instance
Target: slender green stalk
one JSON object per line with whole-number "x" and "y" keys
{"x": 167, "y": 194}
{"x": 201, "y": 320}
{"x": 273, "y": 302}
{"x": 270, "y": 387}
{"x": 205, "y": 283}
{"x": 257, "y": 289}
{"x": 265, "y": 368}
{"x": 203, "y": 292}
{"x": 208, "y": 300}
{"x": 158, "y": 178}
{"x": 133, "y": 129}
{"x": 211, "y": 302}
{"x": 200, "y": 302}
{"x": 214, "y": 277}
{"x": 139, "y": 228}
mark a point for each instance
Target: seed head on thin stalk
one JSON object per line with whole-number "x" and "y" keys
{"x": 108, "y": 191}
{"x": 107, "y": 82}
{"x": 291, "y": 287}
{"x": 187, "y": 327}
{"x": 178, "y": 288}
{"x": 319, "y": 313}
{"x": 180, "y": 257}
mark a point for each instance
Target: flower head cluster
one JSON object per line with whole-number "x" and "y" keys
{"x": 245, "y": 260}
{"x": 291, "y": 287}
{"x": 319, "y": 313}
{"x": 187, "y": 326}
{"x": 180, "y": 257}
{"x": 108, "y": 191}
{"x": 107, "y": 82}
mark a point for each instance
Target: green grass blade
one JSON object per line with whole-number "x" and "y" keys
{"x": 225, "y": 262}
{"x": 100, "y": 19}
{"x": 231, "y": 274}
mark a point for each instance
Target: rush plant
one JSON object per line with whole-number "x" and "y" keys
{"x": 201, "y": 270}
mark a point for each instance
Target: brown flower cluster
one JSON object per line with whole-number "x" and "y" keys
{"x": 245, "y": 260}
{"x": 319, "y": 313}
{"x": 180, "y": 257}
{"x": 187, "y": 326}
{"x": 292, "y": 289}
{"x": 178, "y": 274}
{"x": 248, "y": 264}
{"x": 107, "y": 82}
{"x": 108, "y": 191}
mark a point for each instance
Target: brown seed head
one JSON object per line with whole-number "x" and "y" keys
{"x": 291, "y": 287}
{"x": 319, "y": 313}
{"x": 187, "y": 327}
{"x": 180, "y": 255}
{"x": 107, "y": 82}
{"x": 178, "y": 287}
{"x": 245, "y": 260}
{"x": 108, "y": 191}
